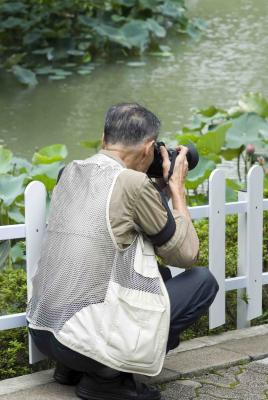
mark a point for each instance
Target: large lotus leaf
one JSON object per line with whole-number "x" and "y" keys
{"x": 187, "y": 138}
{"x": 32, "y": 38}
{"x": 46, "y": 173}
{"x": 254, "y": 102}
{"x": 212, "y": 141}
{"x": 126, "y": 3}
{"x": 17, "y": 252}
{"x": 24, "y": 76}
{"x": 148, "y": 4}
{"x": 246, "y": 129}
{"x": 264, "y": 134}
{"x": 13, "y": 7}
{"x": 21, "y": 164}
{"x": 232, "y": 188}
{"x": 112, "y": 33}
{"x": 136, "y": 33}
{"x": 210, "y": 111}
{"x": 11, "y": 187}
{"x": 51, "y": 170}
{"x": 91, "y": 144}
{"x": 15, "y": 214}
{"x": 50, "y": 154}
{"x": 4, "y": 252}
{"x": 200, "y": 173}
{"x": 196, "y": 124}
{"x": 230, "y": 154}
{"x": 13, "y": 23}
{"x": 214, "y": 157}
{"x": 169, "y": 9}
{"x": 156, "y": 28}
{"x": 5, "y": 160}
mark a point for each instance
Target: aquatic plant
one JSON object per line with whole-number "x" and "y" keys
{"x": 59, "y": 37}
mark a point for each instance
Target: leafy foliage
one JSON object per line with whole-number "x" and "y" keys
{"x": 14, "y": 356}
{"x": 239, "y": 134}
{"x": 58, "y": 37}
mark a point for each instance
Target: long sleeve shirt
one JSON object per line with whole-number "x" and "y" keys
{"x": 136, "y": 202}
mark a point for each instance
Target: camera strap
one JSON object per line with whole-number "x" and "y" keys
{"x": 169, "y": 229}
{"x": 173, "y": 160}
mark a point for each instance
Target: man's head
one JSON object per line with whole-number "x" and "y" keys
{"x": 131, "y": 130}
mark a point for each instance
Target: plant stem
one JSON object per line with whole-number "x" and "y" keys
{"x": 238, "y": 167}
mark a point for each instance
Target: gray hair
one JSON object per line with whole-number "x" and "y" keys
{"x": 130, "y": 124}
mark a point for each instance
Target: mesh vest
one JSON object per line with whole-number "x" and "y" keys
{"x": 99, "y": 300}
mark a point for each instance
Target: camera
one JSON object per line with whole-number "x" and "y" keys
{"x": 156, "y": 171}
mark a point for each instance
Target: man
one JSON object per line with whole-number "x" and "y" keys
{"x": 101, "y": 307}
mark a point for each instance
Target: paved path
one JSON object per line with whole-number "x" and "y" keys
{"x": 244, "y": 382}
{"x": 233, "y": 365}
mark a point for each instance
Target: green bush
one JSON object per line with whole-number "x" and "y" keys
{"x": 14, "y": 342}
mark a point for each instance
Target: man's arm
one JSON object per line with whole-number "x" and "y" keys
{"x": 181, "y": 249}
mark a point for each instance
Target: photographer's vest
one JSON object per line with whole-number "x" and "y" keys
{"x": 99, "y": 300}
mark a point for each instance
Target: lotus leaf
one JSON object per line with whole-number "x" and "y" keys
{"x": 213, "y": 141}
{"x": 156, "y": 28}
{"x": 4, "y": 252}
{"x": 17, "y": 252}
{"x": 5, "y": 160}
{"x": 47, "y": 173}
{"x": 246, "y": 129}
{"x": 254, "y": 102}
{"x": 11, "y": 187}
{"x": 90, "y": 144}
{"x": 16, "y": 215}
{"x": 232, "y": 188}
{"x": 50, "y": 154}
{"x": 200, "y": 173}
{"x": 21, "y": 165}
{"x": 24, "y": 76}
{"x": 136, "y": 34}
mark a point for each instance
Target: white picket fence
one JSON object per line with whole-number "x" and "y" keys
{"x": 250, "y": 277}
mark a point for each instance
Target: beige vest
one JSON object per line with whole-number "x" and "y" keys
{"x": 99, "y": 300}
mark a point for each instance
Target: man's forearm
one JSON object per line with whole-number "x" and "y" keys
{"x": 178, "y": 199}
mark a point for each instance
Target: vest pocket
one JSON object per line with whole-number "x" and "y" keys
{"x": 145, "y": 261}
{"x": 136, "y": 332}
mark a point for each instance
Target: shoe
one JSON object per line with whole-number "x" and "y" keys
{"x": 66, "y": 376}
{"x": 122, "y": 387}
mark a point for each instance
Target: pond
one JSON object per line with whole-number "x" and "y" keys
{"x": 229, "y": 60}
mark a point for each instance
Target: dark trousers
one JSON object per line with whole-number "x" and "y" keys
{"x": 191, "y": 293}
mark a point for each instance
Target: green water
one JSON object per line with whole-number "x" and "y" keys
{"x": 231, "y": 59}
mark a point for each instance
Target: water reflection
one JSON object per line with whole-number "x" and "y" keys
{"x": 230, "y": 60}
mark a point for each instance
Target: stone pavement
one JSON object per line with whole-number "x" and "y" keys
{"x": 247, "y": 381}
{"x": 233, "y": 365}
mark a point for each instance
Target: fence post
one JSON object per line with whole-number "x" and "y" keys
{"x": 242, "y": 321}
{"x": 35, "y": 224}
{"x": 254, "y": 241}
{"x": 217, "y": 244}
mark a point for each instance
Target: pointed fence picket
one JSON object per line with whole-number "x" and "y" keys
{"x": 249, "y": 280}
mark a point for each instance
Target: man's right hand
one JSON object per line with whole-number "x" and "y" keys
{"x": 176, "y": 181}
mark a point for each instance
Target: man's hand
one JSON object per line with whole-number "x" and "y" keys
{"x": 176, "y": 181}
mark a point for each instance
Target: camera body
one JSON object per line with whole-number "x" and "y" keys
{"x": 156, "y": 170}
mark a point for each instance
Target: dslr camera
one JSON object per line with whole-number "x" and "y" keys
{"x": 156, "y": 170}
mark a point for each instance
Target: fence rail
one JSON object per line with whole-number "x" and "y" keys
{"x": 250, "y": 277}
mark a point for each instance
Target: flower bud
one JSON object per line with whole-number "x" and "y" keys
{"x": 250, "y": 149}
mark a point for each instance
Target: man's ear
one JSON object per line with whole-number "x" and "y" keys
{"x": 148, "y": 146}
